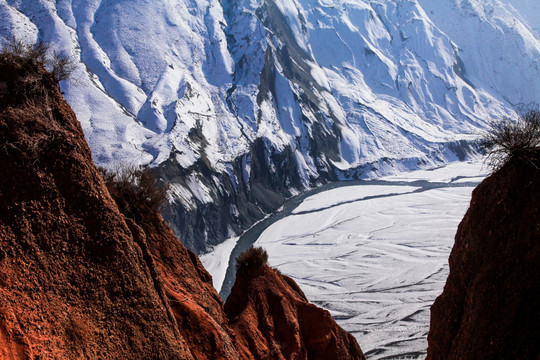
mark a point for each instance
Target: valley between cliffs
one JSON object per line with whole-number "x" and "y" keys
{"x": 81, "y": 279}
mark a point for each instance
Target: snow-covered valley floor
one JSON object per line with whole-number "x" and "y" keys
{"x": 375, "y": 256}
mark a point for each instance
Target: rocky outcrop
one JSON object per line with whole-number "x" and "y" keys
{"x": 275, "y": 321}
{"x": 76, "y": 279}
{"x": 490, "y": 306}
{"x": 81, "y": 279}
{"x": 187, "y": 288}
{"x": 234, "y": 206}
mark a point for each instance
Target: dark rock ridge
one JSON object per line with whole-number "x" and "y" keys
{"x": 79, "y": 279}
{"x": 238, "y": 203}
{"x": 490, "y": 307}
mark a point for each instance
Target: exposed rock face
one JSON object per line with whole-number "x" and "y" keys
{"x": 234, "y": 207}
{"x": 79, "y": 279}
{"x": 195, "y": 304}
{"x": 75, "y": 278}
{"x": 490, "y": 307}
{"x": 291, "y": 327}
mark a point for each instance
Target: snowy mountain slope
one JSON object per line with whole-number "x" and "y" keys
{"x": 528, "y": 10}
{"x": 239, "y": 104}
{"x": 492, "y": 61}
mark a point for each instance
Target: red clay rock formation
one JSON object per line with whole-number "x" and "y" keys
{"x": 490, "y": 307}
{"x": 195, "y": 304}
{"x": 79, "y": 279}
{"x": 275, "y": 321}
{"x": 74, "y": 281}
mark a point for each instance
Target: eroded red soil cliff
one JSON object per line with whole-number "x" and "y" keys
{"x": 490, "y": 307}
{"x": 275, "y": 321}
{"x": 74, "y": 281}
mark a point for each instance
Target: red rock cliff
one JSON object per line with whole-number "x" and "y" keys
{"x": 275, "y": 321}
{"x": 79, "y": 279}
{"x": 490, "y": 306}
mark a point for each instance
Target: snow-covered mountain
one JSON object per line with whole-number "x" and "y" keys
{"x": 240, "y": 104}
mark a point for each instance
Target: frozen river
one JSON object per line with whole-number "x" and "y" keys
{"x": 373, "y": 253}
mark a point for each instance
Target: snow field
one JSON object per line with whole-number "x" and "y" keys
{"x": 217, "y": 260}
{"x": 376, "y": 263}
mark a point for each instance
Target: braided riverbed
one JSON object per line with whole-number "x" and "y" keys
{"x": 374, "y": 253}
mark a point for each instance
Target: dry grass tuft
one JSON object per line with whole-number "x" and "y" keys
{"x": 137, "y": 192}
{"x": 59, "y": 65}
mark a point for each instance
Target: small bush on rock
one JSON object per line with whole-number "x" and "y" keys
{"x": 24, "y": 80}
{"x": 251, "y": 261}
{"x": 513, "y": 138}
{"x": 60, "y": 65}
{"x": 136, "y": 191}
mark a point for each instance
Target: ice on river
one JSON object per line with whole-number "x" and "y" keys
{"x": 376, "y": 263}
{"x": 217, "y": 260}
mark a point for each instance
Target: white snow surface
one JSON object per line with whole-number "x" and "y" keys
{"x": 217, "y": 260}
{"x": 348, "y": 194}
{"x": 474, "y": 170}
{"x": 528, "y": 10}
{"x": 376, "y": 264}
{"x": 398, "y": 78}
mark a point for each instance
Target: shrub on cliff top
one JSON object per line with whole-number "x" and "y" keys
{"x": 251, "y": 261}
{"x": 30, "y": 72}
{"x": 513, "y": 138}
{"x": 60, "y": 65}
{"x": 137, "y": 192}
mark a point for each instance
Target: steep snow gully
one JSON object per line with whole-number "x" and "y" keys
{"x": 241, "y": 104}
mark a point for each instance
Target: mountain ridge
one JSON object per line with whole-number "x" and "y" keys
{"x": 261, "y": 99}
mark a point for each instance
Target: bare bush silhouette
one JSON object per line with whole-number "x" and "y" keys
{"x": 28, "y": 104}
{"x": 513, "y": 138}
{"x": 136, "y": 191}
{"x": 59, "y": 65}
{"x": 251, "y": 261}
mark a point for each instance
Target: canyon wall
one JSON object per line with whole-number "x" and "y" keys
{"x": 489, "y": 308}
